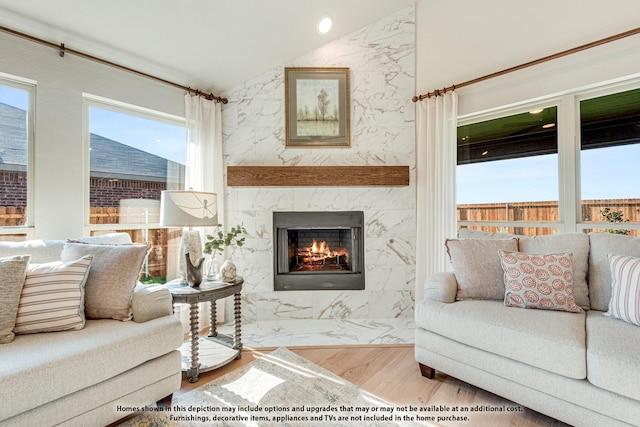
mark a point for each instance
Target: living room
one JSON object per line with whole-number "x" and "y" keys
{"x": 393, "y": 52}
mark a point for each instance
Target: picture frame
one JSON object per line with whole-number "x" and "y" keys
{"x": 317, "y": 107}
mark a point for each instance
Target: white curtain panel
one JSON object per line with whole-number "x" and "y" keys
{"x": 436, "y": 184}
{"x": 205, "y": 168}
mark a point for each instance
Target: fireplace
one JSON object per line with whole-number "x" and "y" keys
{"x": 318, "y": 250}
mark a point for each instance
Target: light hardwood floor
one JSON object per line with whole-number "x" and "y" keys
{"x": 391, "y": 372}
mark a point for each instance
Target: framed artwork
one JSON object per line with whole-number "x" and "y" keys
{"x": 317, "y": 107}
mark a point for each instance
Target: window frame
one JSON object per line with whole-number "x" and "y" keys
{"x": 27, "y": 229}
{"x": 89, "y": 101}
{"x": 569, "y": 153}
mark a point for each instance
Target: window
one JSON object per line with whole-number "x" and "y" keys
{"x": 610, "y": 149}
{"x": 507, "y": 173}
{"x": 134, "y": 154}
{"x": 525, "y": 174}
{"x": 16, "y": 142}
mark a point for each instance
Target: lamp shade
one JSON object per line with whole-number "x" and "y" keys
{"x": 187, "y": 208}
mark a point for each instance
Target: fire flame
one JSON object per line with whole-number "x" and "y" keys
{"x": 319, "y": 251}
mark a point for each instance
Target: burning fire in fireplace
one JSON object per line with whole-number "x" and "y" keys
{"x": 319, "y": 256}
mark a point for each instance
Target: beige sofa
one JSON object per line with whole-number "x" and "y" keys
{"x": 98, "y": 374}
{"x": 581, "y": 368}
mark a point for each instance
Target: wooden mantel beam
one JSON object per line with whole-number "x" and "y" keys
{"x": 317, "y": 176}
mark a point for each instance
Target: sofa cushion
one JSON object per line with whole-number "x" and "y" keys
{"x": 541, "y": 281}
{"x": 112, "y": 278}
{"x": 470, "y": 233}
{"x": 603, "y": 245}
{"x": 577, "y": 244}
{"x": 477, "y": 266}
{"x": 61, "y": 363}
{"x": 549, "y": 340}
{"x": 52, "y": 298}
{"x": 40, "y": 250}
{"x": 613, "y": 354}
{"x": 625, "y": 289}
{"x": 12, "y": 273}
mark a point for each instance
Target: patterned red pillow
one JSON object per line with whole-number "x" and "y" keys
{"x": 539, "y": 281}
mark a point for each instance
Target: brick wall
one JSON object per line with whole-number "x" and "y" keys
{"x": 108, "y": 193}
{"x": 13, "y": 188}
{"x": 105, "y": 193}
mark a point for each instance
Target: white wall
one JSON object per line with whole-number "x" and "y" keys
{"x": 59, "y": 147}
{"x": 459, "y": 40}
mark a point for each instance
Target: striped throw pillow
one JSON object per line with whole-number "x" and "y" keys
{"x": 625, "y": 289}
{"x": 52, "y": 298}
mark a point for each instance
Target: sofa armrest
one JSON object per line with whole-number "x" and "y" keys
{"x": 151, "y": 302}
{"x": 441, "y": 287}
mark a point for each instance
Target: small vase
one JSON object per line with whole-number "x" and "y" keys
{"x": 213, "y": 269}
{"x": 228, "y": 271}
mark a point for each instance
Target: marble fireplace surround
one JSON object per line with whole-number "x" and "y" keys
{"x": 381, "y": 57}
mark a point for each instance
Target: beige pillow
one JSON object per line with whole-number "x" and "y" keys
{"x": 12, "y": 272}
{"x": 603, "y": 245}
{"x": 112, "y": 278}
{"x": 543, "y": 281}
{"x": 476, "y": 265}
{"x": 53, "y": 297}
{"x": 577, "y": 244}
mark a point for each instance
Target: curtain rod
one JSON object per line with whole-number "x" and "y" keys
{"x": 437, "y": 92}
{"x": 62, "y": 49}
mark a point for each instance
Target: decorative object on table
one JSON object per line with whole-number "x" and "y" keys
{"x": 217, "y": 242}
{"x": 317, "y": 107}
{"x": 188, "y": 208}
{"x": 228, "y": 271}
{"x": 194, "y": 271}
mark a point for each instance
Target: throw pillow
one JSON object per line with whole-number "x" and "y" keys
{"x": 112, "y": 278}
{"x": 539, "y": 281}
{"x": 476, "y": 266}
{"x": 625, "y": 289}
{"x": 12, "y": 272}
{"x": 577, "y": 244}
{"x": 53, "y": 297}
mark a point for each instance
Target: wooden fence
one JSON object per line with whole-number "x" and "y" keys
{"x": 545, "y": 212}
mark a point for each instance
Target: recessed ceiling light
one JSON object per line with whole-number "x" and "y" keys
{"x": 536, "y": 111}
{"x": 548, "y": 125}
{"x": 324, "y": 24}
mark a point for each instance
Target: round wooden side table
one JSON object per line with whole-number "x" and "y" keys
{"x": 205, "y": 353}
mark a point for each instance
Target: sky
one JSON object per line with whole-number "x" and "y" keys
{"x": 607, "y": 173}
{"x": 159, "y": 138}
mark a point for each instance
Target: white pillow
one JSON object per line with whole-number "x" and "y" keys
{"x": 625, "y": 289}
{"x": 53, "y": 297}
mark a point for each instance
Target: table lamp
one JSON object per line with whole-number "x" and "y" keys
{"x": 188, "y": 208}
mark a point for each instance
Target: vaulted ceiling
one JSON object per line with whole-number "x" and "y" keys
{"x": 206, "y": 44}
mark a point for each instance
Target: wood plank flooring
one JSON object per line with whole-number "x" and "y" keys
{"x": 391, "y": 372}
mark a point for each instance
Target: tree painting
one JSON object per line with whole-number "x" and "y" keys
{"x": 317, "y": 101}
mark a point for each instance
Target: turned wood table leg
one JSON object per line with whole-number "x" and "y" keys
{"x": 213, "y": 332}
{"x": 237, "y": 319}
{"x": 427, "y": 371}
{"x": 194, "y": 370}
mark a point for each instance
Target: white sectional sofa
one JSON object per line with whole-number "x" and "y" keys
{"x": 97, "y": 374}
{"x": 582, "y": 368}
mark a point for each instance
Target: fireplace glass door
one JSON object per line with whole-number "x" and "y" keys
{"x": 318, "y": 250}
